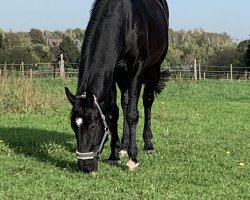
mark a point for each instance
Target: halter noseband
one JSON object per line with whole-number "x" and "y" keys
{"x": 92, "y": 155}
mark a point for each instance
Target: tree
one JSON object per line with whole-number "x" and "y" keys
{"x": 36, "y": 36}
{"x": 1, "y": 39}
{"x": 223, "y": 57}
{"x": 174, "y": 57}
{"x": 241, "y": 53}
{"x": 57, "y": 34}
{"x": 70, "y": 51}
{"x": 70, "y": 33}
{"x": 79, "y": 34}
{"x": 11, "y": 40}
{"x": 42, "y": 52}
{"x": 16, "y": 55}
{"x": 200, "y": 45}
{"x": 248, "y": 57}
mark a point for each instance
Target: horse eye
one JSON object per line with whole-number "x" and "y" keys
{"x": 92, "y": 126}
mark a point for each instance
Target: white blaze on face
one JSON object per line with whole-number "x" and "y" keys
{"x": 78, "y": 122}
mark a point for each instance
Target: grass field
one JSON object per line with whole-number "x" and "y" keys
{"x": 201, "y": 136}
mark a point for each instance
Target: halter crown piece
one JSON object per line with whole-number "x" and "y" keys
{"x": 92, "y": 155}
{"x": 83, "y": 96}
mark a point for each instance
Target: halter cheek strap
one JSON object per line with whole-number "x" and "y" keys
{"x": 92, "y": 155}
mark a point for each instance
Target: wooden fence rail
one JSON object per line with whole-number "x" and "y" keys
{"x": 63, "y": 69}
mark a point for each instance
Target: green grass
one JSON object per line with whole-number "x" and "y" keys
{"x": 201, "y": 134}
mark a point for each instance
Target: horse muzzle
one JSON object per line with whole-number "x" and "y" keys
{"x": 88, "y": 165}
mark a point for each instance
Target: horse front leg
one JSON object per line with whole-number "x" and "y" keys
{"x": 132, "y": 117}
{"x": 115, "y": 143}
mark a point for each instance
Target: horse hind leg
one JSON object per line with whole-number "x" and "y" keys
{"x": 148, "y": 100}
{"x": 123, "y": 86}
{"x": 125, "y": 137}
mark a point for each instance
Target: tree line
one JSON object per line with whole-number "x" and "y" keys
{"x": 210, "y": 49}
{"x": 38, "y": 46}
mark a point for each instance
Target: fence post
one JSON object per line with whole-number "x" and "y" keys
{"x": 22, "y": 68}
{"x": 204, "y": 76}
{"x": 231, "y": 71}
{"x": 195, "y": 70}
{"x": 5, "y": 69}
{"x": 13, "y": 70}
{"x": 31, "y": 74}
{"x": 245, "y": 75}
{"x": 62, "y": 70}
{"x": 0, "y": 72}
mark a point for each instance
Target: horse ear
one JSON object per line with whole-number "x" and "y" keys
{"x": 90, "y": 97}
{"x": 70, "y": 96}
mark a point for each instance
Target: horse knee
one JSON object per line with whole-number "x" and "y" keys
{"x": 132, "y": 117}
{"x": 124, "y": 101}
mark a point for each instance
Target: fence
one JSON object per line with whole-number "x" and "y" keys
{"x": 40, "y": 70}
{"x": 198, "y": 72}
{"x": 209, "y": 73}
{"x": 63, "y": 69}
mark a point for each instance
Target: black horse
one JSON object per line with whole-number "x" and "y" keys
{"x": 125, "y": 43}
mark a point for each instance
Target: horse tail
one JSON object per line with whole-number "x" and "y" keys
{"x": 164, "y": 77}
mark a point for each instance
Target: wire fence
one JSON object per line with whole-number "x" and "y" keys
{"x": 54, "y": 70}
{"x": 39, "y": 70}
{"x": 210, "y": 72}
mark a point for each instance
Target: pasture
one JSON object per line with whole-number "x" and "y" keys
{"x": 201, "y": 136}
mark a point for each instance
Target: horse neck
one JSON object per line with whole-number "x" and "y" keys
{"x": 100, "y": 52}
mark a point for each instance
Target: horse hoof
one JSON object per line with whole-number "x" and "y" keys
{"x": 114, "y": 162}
{"x": 123, "y": 153}
{"x": 149, "y": 151}
{"x": 132, "y": 166}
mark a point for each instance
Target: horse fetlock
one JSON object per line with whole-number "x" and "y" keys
{"x": 149, "y": 151}
{"x": 132, "y": 166}
{"x": 123, "y": 153}
{"x": 148, "y": 146}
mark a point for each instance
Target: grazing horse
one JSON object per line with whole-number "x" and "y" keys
{"x": 125, "y": 43}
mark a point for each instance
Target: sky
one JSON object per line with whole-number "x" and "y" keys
{"x": 231, "y": 16}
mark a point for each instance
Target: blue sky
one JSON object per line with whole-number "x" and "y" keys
{"x": 231, "y": 16}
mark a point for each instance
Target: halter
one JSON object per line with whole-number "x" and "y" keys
{"x": 92, "y": 155}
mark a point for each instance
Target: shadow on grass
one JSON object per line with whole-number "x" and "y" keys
{"x": 37, "y": 143}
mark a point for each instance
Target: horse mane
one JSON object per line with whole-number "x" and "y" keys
{"x": 97, "y": 15}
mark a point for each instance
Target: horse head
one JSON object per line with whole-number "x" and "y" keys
{"x": 88, "y": 123}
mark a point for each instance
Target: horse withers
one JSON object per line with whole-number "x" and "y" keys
{"x": 125, "y": 43}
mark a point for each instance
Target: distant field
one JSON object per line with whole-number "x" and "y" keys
{"x": 201, "y": 136}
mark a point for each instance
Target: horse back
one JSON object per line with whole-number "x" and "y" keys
{"x": 147, "y": 28}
